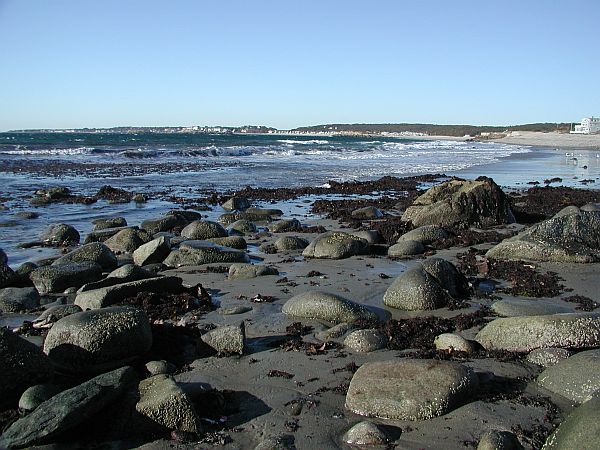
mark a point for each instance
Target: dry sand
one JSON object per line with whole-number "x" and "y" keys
{"x": 556, "y": 140}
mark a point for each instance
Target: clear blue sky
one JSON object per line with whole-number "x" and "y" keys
{"x": 78, "y": 63}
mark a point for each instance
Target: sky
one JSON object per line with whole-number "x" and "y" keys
{"x": 287, "y": 63}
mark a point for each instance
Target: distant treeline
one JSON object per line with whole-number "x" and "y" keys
{"x": 435, "y": 130}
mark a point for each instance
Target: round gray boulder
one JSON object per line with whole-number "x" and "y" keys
{"x": 236, "y": 242}
{"x": 203, "y": 229}
{"x": 409, "y": 389}
{"x": 242, "y": 227}
{"x": 193, "y": 253}
{"x": 282, "y": 226}
{"x": 426, "y": 234}
{"x": 236, "y": 204}
{"x": 368, "y": 212}
{"x": 290, "y": 243}
{"x": 580, "y": 430}
{"x": 242, "y": 271}
{"x": 406, "y": 249}
{"x": 96, "y": 252}
{"x": 18, "y": 299}
{"x": 59, "y": 234}
{"x": 152, "y": 252}
{"x": 55, "y": 279}
{"x": 111, "y": 222}
{"x": 365, "y": 341}
{"x": 324, "y": 306}
{"x": 547, "y": 357}
{"x": 127, "y": 240}
{"x": 98, "y": 340}
{"x": 36, "y": 395}
{"x": 365, "y": 433}
{"x": 526, "y": 333}
{"x": 335, "y": 245}
{"x": 416, "y": 290}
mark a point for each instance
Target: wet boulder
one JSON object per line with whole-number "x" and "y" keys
{"x": 526, "y": 333}
{"x": 94, "y": 252}
{"x": 203, "y": 229}
{"x": 165, "y": 223}
{"x": 68, "y": 409}
{"x": 97, "y": 340}
{"x": 194, "y": 253}
{"x": 285, "y": 225}
{"x": 242, "y": 271}
{"x": 236, "y": 242}
{"x": 236, "y": 204}
{"x": 265, "y": 212}
{"x": 109, "y": 295}
{"x": 242, "y": 227}
{"x": 580, "y": 430}
{"x": 464, "y": 203}
{"x": 55, "y": 279}
{"x": 18, "y": 299}
{"x": 59, "y": 234}
{"x": 406, "y": 249}
{"x": 229, "y": 218}
{"x": 426, "y": 234}
{"x": 430, "y": 285}
{"x": 573, "y": 237}
{"x": 409, "y": 389}
{"x": 290, "y": 243}
{"x": 111, "y": 222}
{"x": 325, "y": 306}
{"x": 23, "y": 365}
{"x": 128, "y": 240}
{"x": 335, "y": 245}
{"x": 576, "y": 378}
{"x": 104, "y": 234}
{"x": 367, "y": 213}
{"x": 152, "y": 252}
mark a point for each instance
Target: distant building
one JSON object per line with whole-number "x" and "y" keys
{"x": 589, "y": 125}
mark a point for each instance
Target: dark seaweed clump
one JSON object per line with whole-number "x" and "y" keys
{"x": 584, "y": 303}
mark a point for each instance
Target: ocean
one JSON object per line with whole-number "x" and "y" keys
{"x": 190, "y": 165}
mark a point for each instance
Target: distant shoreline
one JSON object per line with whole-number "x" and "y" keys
{"x": 553, "y": 140}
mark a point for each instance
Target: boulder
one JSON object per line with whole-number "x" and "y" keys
{"x": 285, "y": 225}
{"x": 241, "y": 271}
{"x": 152, "y": 252}
{"x": 409, "y": 389}
{"x": 121, "y": 275}
{"x": 55, "y": 279}
{"x": 194, "y": 253}
{"x": 453, "y": 342}
{"x": 365, "y": 433}
{"x": 104, "y": 234}
{"x": 160, "y": 367}
{"x": 265, "y": 212}
{"x": 7, "y": 275}
{"x": 23, "y": 365}
{"x": 242, "y": 227}
{"x": 236, "y": 242}
{"x": 325, "y": 306}
{"x": 166, "y": 405}
{"x": 106, "y": 296}
{"x": 101, "y": 339}
{"x": 511, "y": 307}
{"x": 406, "y": 249}
{"x": 290, "y": 243}
{"x": 335, "y": 245}
{"x": 229, "y": 218}
{"x": 185, "y": 215}
{"x": 526, "y": 333}
{"x": 54, "y": 314}
{"x": 365, "y": 341}
{"x": 35, "y": 395}
{"x": 447, "y": 275}
{"x": 111, "y": 222}
{"x": 59, "y": 234}
{"x": 373, "y": 237}
{"x": 426, "y": 234}
{"x": 479, "y": 203}
{"x": 499, "y": 440}
{"x": 416, "y": 290}
{"x": 166, "y": 223}
{"x": 580, "y": 430}
{"x": 128, "y": 240}
{"x": 203, "y": 229}
{"x": 227, "y": 339}
{"x": 335, "y": 331}
{"x": 368, "y": 212}
{"x": 576, "y": 378}
{"x": 547, "y": 357}
{"x": 236, "y": 204}
{"x": 66, "y": 410}
{"x": 94, "y": 252}
{"x": 569, "y": 238}
{"x": 18, "y": 299}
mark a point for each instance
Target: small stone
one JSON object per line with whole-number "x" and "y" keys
{"x": 365, "y": 433}
{"x": 365, "y": 341}
{"x": 499, "y": 440}
{"x": 36, "y": 395}
{"x": 227, "y": 339}
{"x": 454, "y": 343}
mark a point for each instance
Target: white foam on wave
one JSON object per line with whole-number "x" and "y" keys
{"x": 308, "y": 142}
{"x": 50, "y": 151}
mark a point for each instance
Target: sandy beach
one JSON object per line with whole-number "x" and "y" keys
{"x": 554, "y": 140}
{"x": 255, "y": 364}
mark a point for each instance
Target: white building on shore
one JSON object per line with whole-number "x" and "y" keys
{"x": 589, "y": 125}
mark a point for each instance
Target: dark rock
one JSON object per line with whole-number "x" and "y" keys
{"x": 152, "y": 252}
{"x": 94, "y": 252}
{"x": 55, "y": 279}
{"x": 203, "y": 229}
{"x": 282, "y": 226}
{"x": 128, "y": 240}
{"x": 112, "y": 222}
{"x": 18, "y": 299}
{"x": 236, "y": 204}
{"x": 67, "y": 409}
{"x": 97, "y": 340}
{"x": 192, "y": 253}
{"x": 59, "y": 234}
